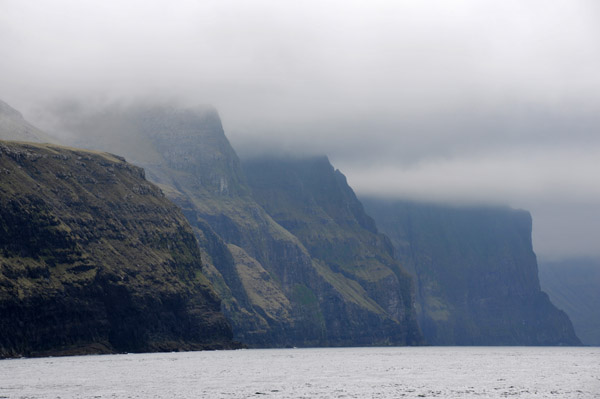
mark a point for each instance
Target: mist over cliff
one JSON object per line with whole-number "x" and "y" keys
{"x": 279, "y": 288}
{"x": 476, "y": 274}
{"x": 14, "y": 127}
{"x": 281, "y": 234}
{"x": 492, "y": 106}
{"x": 495, "y": 102}
{"x": 297, "y": 261}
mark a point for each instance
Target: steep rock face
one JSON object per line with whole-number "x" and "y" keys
{"x": 573, "y": 285}
{"x": 476, "y": 273}
{"x": 313, "y": 201}
{"x": 273, "y": 291}
{"x": 94, "y": 259}
{"x": 187, "y": 154}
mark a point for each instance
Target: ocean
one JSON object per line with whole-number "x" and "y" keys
{"x": 383, "y": 372}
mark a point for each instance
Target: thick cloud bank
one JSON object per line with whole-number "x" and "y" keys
{"x": 464, "y": 101}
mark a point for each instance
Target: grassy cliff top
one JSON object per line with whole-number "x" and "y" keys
{"x": 55, "y": 149}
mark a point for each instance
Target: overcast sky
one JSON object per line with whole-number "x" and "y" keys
{"x": 463, "y": 101}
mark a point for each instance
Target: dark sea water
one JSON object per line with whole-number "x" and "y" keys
{"x": 444, "y": 372}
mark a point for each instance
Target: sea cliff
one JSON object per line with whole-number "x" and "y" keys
{"x": 95, "y": 259}
{"x": 476, "y": 274}
{"x": 277, "y": 289}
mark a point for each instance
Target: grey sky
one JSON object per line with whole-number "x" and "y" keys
{"x": 476, "y": 101}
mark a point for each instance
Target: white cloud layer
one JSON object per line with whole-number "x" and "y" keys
{"x": 469, "y": 100}
{"x": 515, "y": 176}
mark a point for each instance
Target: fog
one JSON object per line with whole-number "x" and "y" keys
{"x": 469, "y": 101}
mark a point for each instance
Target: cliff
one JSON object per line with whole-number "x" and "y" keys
{"x": 476, "y": 274}
{"x": 313, "y": 201}
{"x": 187, "y": 154}
{"x": 94, "y": 259}
{"x": 274, "y": 292}
{"x": 573, "y": 285}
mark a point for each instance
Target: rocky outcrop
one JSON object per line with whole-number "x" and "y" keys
{"x": 94, "y": 259}
{"x": 274, "y": 291}
{"x": 574, "y": 286}
{"x": 476, "y": 274}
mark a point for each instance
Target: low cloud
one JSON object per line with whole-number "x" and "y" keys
{"x": 481, "y": 101}
{"x": 559, "y": 187}
{"x": 516, "y": 177}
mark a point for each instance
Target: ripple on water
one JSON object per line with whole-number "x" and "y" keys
{"x": 441, "y": 372}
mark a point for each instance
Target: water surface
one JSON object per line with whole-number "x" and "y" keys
{"x": 446, "y": 372}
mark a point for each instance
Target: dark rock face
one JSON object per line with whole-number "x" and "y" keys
{"x": 313, "y": 201}
{"x": 476, "y": 273}
{"x": 94, "y": 259}
{"x": 574, "y": 286}
{"x": 274, "y": 292}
